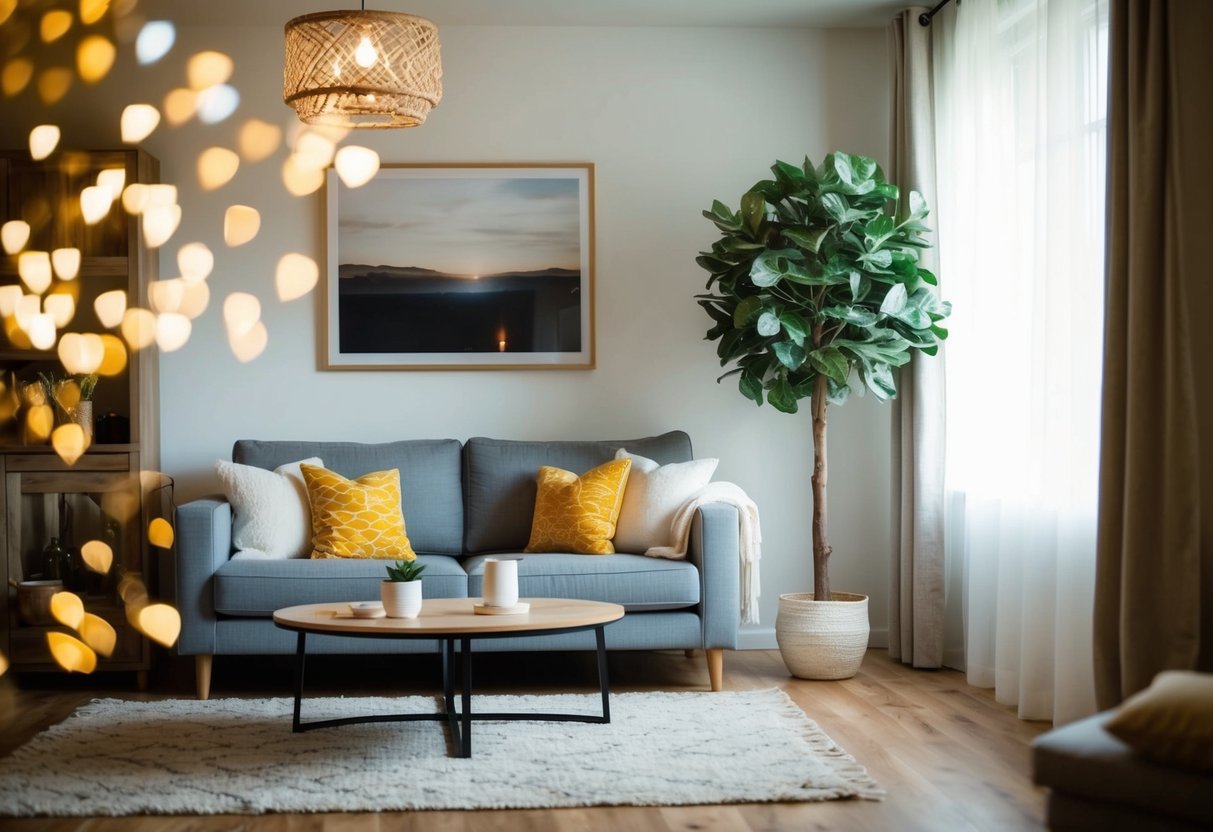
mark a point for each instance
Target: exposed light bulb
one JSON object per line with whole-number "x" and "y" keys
{"x": 366, "y": 54}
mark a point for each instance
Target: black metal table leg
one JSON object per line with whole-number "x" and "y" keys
{"x": 465, "y": 647}
{"x": 600, "y": 632}
{"x": 300, "y": 653}
{"x": 447, "y": 646}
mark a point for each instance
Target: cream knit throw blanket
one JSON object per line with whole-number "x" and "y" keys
{"x": 750, "y": 545}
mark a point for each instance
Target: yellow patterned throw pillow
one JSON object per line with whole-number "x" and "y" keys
{"x": 578, "y": 514}
{"x": 356, "y": 518}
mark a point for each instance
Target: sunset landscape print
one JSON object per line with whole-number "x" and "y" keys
{"x": 459, "y": 266}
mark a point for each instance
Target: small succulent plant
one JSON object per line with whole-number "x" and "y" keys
{"x": 404, "y": 571}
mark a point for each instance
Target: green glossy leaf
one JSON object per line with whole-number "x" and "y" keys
{"x": 807, "y": 238}
{"x": 723, "y": 218}
{"x": 856, "y": 315}
{"x": 877, "y": 231}
{"x": 772, "y": 266}
{"x": 918, "y": 206}
{"x": 753, "y": 210}
{"x": 781, "y": 396}
{"x": 746, "y": 310}
{"x": 927, "y": 276}
{"x": 768, "y": 324}
{"x": 855, "y": 278}
{"x": 830, "y": 362}
{"x": 750, "y": 387}
{"x": 940, "y": 332}
{"x": 877, "y": 260}
{"x": 795, "y": 326}
{"x": 834, "y": 205}
{"x": 789, "y": 353}
{"x": 880, "y": 381}
{"x": 894, "y": 301}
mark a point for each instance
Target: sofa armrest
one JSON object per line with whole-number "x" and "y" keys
{"x": 715, "y": 550}
{"x": 204, "y": 543}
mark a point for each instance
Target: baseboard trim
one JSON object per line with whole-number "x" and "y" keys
{"x": 764, "y": 639}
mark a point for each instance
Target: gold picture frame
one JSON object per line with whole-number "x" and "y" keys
{"x": 461, "y": 266}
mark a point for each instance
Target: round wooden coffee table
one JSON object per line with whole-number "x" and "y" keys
{"x": 449, "y": 620}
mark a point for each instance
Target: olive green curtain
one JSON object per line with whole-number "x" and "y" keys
{"x": 1154, "y": 577}
{"x": 917, "y": 578}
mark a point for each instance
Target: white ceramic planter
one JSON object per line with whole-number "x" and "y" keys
{"x": 822, "y": 639}
{"x": 401, "y": 599}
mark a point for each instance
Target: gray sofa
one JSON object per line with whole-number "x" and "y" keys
{"x": 461, "y": 502}
{"x": 1098, "y": 784}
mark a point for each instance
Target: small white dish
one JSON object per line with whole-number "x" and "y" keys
{"x": 367, "y": 609}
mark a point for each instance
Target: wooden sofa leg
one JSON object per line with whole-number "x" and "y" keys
{"x": 202, "y": 675}
{"x": 716, "y": 667}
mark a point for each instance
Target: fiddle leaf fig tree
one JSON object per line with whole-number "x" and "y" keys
{"x": 816, "y": 292}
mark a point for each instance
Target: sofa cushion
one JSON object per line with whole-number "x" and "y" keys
{"x": 258, "y": 587}
{"x": 499, "y": 480}
{"x": 1084, "y": 760}
{"x": 578, "y": 514}
{"x": 431, "y": 488}
{"x": 640, "y": 584}
{"x": 1171, "y": 721}
{"x": 357, "y": 518}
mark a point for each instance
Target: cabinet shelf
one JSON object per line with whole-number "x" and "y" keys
{"x": 103, "y": 493}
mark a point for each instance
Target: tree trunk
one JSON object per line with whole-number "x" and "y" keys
{"x": 821, "y": 547}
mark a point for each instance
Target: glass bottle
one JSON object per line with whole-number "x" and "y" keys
{"x": 52, "y": 561}
{"x": 70, "y": 565}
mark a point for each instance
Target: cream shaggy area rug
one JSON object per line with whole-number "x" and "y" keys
{"x": 238, "y": 756}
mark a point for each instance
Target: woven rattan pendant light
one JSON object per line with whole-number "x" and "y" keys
{"x": 360, "y": 68}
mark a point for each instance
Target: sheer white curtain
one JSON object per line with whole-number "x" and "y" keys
{"x": 1021, "y": 92}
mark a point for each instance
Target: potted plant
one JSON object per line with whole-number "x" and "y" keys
{"x": 401, "y": 592}
{"x": 816, "y": 292}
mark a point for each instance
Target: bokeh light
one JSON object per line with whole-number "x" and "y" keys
{"x": 241, "y": 311}
{"x": 53, "y": 84}
{"x": 70, "y": 653}
{"x": 216, "y": 167}
{"x": 172, "y": 331}
{"x": 43, "y": 140}
{"x": 297, "y": 274}
{"x": 81, "y": 352}
{"x": 180, "y": 105}
{"x": 69, "y": 442}
{"x": 138, "y": 121}
{"x": 34, "y": 267}
{"x": 154, "y": 41}
{"x": 114, "y": 361}
{"x": 217, "y": 103}
{"x": 67, "y": 608}
{"x": 110, "y": 307}
{"x": 138, "y": 327}
{"x": 249, "y": 345}
{"x": 66, "y": 263}
{"x": 14, "y": 234}
{"x": 259, "y": 139}
{"x": 208, "y": 69}
{"x": 98, "y": 634}
{"x": 240, "y": 225}
{"x": 195, "y": 262}
{"x": 94, "y": 58}
{"x": 98, "y": 556}
{"x": 356, "y": 165}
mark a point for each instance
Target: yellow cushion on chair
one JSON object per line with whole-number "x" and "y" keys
{"x": 578, "y": 514}
{"x": 356, "y": 518}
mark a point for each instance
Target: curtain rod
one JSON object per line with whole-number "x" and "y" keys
{"x": 924, "y": 19}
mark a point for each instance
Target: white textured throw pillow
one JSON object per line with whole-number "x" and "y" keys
{"x": 273, "y": 519}
{"x": 652, "y": 496}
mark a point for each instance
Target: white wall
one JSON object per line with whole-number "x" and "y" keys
{"x": 672, "y": 118}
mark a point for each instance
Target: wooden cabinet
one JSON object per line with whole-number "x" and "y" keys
{"x": 108, "y": 493}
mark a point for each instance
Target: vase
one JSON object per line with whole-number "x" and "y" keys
{"x": 401, "y": 599}
{"x": 500, "y": 582}
{"x": 822, "y": 639}
{"x": 82, "y": 415}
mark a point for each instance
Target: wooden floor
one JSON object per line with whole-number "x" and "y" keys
{"x": 949, "y": 757}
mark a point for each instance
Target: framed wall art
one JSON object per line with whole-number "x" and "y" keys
{"x": 461, "y": 267}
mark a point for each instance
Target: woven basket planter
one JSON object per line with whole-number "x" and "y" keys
{"x": 822, "y": 639}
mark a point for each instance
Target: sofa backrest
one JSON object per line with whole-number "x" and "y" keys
{"x": 431, "y": 491}
{"x": 499, "y": 480}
